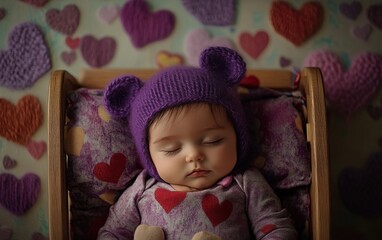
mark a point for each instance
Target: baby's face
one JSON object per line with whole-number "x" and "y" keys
{"x": 194, "y": 148}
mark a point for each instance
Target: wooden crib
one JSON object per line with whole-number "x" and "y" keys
{"x": 310, "y": 84}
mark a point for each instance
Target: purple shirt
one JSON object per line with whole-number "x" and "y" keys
{"x": 242, "y": 206}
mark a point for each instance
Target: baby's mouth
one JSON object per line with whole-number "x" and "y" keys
{"x": 198, "y": 173}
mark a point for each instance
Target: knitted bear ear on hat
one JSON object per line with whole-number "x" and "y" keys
{"x": 224, "y": 62}
{"x": 120, "y": 93}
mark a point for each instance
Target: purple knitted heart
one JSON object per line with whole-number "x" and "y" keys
{"x": 284, "y": 62}
{"x": 144, "y": 26}
{"x": 18, "y": 196}
{"x": 68, "y": 57}
{"x": 27, "y": 58}
{"x": 36, "y": 3}
{"x": 348, "y": 91}
{"x": 351, "y": 10}
{"x": 362, "y": 32}
{"x": 97, "y": 53}
{"x": 217, "y": 12}
{"x": 374, "y": 14}
{"x": 65, "y": 21}
{"x": 2, "y": 13}
{"x": 361, "y": 189}
{"x": 8, "y": 162}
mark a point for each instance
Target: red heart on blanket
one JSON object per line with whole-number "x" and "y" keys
{"x": 297, "y": 25}
{"x": 111, "y": 173}
{"x": 169, "y": 199}
{"x": 144, "y": 26}
{"x": 65, "y": 21}
{"x": 18, "y": 123}
{"x": 268, "y": 228}
{"x": 73, "y": 43}
{"x": 215, "y": 211}
{"x": 18, "y": 196}
{"x": 250, "y": 81}
{"x": 348, "y": 91}
{"x": 254, "y": 45}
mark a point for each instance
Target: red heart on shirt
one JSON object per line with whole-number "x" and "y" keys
{"x": 215, "y": 211}
{"x": 111, "y": 173}
{"x": 268, "y": 228}
{"x": 169, "y": 199}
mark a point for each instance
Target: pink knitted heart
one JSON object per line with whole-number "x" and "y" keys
{"x": 65, "y": 21}
{"x": 18, "y": 196}
{"x": 199, "y": 39}
{"x": 68, "y": 57}
{"x": 254, "y": 45}
{"x": 217, "y": 12}
{"x": 36, "y": 149}
{"x": 9, "y": 162}
{"x": 348, "y": 91}
{"x": 107, "y": 14}
{"x": 27, "y": 58}
{"x": 143, "y": 26}
{"x": 374, "y": 14}
{"x": 98, "y": 53}
{"x": 362, "y": 32}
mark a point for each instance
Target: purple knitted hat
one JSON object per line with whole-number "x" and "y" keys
{"x": 220, "y": 70}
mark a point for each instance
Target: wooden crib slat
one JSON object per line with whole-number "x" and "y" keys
{"x": 312, "y": 86}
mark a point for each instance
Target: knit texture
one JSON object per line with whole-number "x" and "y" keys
{"x": 19, "y": 122}
{"x": 348, "y": 90}
{"x": 144, "y": 26}
{"x": 19, "y": 195}
{"x": 374, "y": 14}
{"x": 297, "y": 25}
{"x": 220, "y": 70}
{"x": 213, "y": 12}
{"x": 27, "y": 58}
{"x": 65, "y": 21}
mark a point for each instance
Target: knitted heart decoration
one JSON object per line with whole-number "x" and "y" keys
{"x": 217, "y": 12}
{"x": 348, "y": 91}
{"x": 18, "y": 123}
{"x": 199, "y": 39}
{"x": 19, "y": 195}
{"x": 351, "y": 10}
{"x": 374, "y": 14}
{"x": 143, "y": 26}
{"x": 360, "y": 189}
{"x": 362, "y": 32}
{"x": 2, "y": 13}
{"x": 98, "y": 53}
{"x": 68, "y": 57}
{"x": 65, "y": 21}
{"x": 27, "y": 58}
{"x": 166, "y": 59}
{"x": 297, "y": 26}
{"x": 255, "y": 44}
{"x": 36, "y": 3}
{"x": 107, "y": 14}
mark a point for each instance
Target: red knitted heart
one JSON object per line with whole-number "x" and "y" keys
{"x": 215, "y": 211}
{"x": 296, "y": 25}
{"x": 169, "y": 199}
{"x": 254, "y": 45}
{"x": 18, "y": 123}
{"x": 111, "y": 173}
{"x": 73, "y": 43}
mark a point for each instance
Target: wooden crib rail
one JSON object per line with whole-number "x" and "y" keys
{"x": 63, "y": 82}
